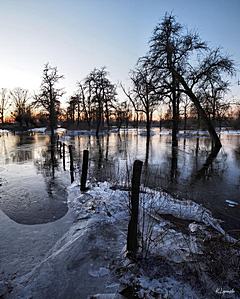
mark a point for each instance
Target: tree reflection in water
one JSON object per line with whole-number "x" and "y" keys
{"x": 174, "y": 165}
{"x": 194, "y": 169}
{"x": 47, "y": 162}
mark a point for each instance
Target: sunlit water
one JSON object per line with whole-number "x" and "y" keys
{"x": 31, "y": 193}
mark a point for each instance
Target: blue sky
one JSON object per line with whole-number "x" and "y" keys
{"x": 77, "y": 36}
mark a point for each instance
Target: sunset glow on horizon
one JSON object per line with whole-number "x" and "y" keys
{"x": 77, "y": 36}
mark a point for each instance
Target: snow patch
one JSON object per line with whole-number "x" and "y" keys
{"x": 231, "y": 203}
{"x": 98, "y": 236}
{"x": 144, "y": 133}
{"x": 38, "y": 130}
{"x": 163, "y": 203}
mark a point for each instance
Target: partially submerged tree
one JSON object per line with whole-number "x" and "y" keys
{"x": 49, "y": 95}
{"x": 101, "y": 94}
{"x": 183, "y": 62}
{"x": 212, "y": 92}
{"x": 144, "y": 95}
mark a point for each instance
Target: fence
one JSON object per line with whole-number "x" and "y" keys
{"x": 132, "y": 236}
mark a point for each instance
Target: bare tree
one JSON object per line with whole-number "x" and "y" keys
{"x": 4, "y": 103}
{"x": 81, "y": 105}
{"x": 48, "y": 97}
{"x": 109, "y": 101}
{"x": 72, "y": 106}
{"x": 144, "y": 95}
{"x": 185, "y": 104}
{"x": 212, "y": 92}
{"x": 183, "y": 62}
{"x": 101, "y": 96}
{"x": 22, "y": 107}
{"x": 122, "y": 114}
{"x": 212, "y": 66}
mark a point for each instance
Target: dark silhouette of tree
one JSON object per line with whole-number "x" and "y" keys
{"x": 4, "y": 103}
{"x": 109, "y": 101}
{"x": 185, "y": 105}
{"x": 212, "y": 92}
{"x": 143, "y": 96}
{"x": 22, "y": 108}
{"x": 85, "y": 96}
{"x": 48, "y": 97}
{"x": 81, "y": 106}
{"x": 78, "y": 106}
{"x": 72, "y": 108}
{"x": 122, "y": 114}
{"x": 182, "y": 62}
{"x": 101, "y": 96}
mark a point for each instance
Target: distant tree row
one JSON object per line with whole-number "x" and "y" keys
{"x": 95, "y": 100}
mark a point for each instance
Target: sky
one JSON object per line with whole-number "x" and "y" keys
{"x": 79, "y": 35}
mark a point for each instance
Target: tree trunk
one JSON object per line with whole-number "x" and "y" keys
{"x": 185, "y": 119}
{"x": 52, "y": 118}
{"x": 174, "y": 123}
{"x": 78, "y": 114}
{"x": 174, "y": 98}
{"x": 148, "y": 125}
{"x": 107, "y": 117}
{"x": 200, "y": 110}
{"x": 174, "y": 165}
{"x": 147, "y": 150}
{"x": 137, "y": 120}
{"x": 99, "y": 118}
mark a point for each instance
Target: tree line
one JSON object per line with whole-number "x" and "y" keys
{"x": 179, "y": 78}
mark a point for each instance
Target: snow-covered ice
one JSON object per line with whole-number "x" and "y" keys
{"x": 80, "y": 263}
{"x": 38, "y": 130}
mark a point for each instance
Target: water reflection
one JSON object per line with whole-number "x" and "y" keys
{"x": 47, "y": 161}
{"x": 192, "y": 169}
{"x": 32, "y": 193}
{"x": 207, "y": 169}
{"x": 174, "y": 165}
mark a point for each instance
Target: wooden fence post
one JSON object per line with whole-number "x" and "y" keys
{"x": 71, "y": 163}
{"x": 132, "y": 236}
{"x": 64, "y": 165}
{"x": 60, "y": 149}
{"x": 84, "y": 170}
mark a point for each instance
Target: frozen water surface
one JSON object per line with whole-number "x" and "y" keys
{"x": 44, "y": 224}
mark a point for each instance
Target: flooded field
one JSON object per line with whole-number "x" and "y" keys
{"x": 34, "y": 192}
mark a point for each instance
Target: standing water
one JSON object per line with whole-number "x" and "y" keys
{"x": 186, "y": 172}
{"x": 33, "y": 195}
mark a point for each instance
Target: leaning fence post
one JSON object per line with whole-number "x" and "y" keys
{"x": 71, "y": 163}
{"x": 84, "y": 170}
{"x": 132, "y": 239}
{"x": 64, "y": 165}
